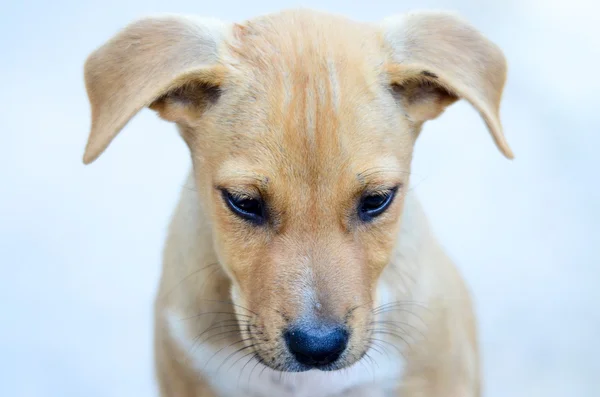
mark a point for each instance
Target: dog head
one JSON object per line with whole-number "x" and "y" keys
{"x": 301, "y": 127}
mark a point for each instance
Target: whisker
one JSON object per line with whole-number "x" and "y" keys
{"x": 226, "y": 347}
{"x": 373, "y": 343}
{"x": 224, "y": 336}
{"x": 383, "y": 332}
{"x": 208, "y": 277}
{"x": 205, "y": 313}
{"x": 253, "y": 368}
{"x": 230, "y": 303}
{"x": 280, "y": 376}
{"x": 361, "y": 360}
{"x": 244, "y": 367}
{"x": 399, "y": 304}
{"x": 252, "y": 353}
{"x": 374, "y": 362}
{"x": 407, "y": 313}
{"x": 188, "y": 276}
{"x": 235, "y": 325}
{"x": 219, "y": 334}
{"x": 371, "y": 346}
{"x": 389, "y": 343}
{"x": 263, "y": 370}
{"x": 230, "y": 321}
{"x": 396, "y": 324}
{"x": 224, "y": 324}
{"x": 233, "y": 354}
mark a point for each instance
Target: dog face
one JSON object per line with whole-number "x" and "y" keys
{"x": 306, "y": 180}
{"x": 301, "y": 127}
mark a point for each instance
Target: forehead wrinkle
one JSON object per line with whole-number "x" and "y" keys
{"x": 387, "y": 170}
{"x": 309, "y": 70}
{"x": 310, "y": 134}
{"x": 241, "y": 173}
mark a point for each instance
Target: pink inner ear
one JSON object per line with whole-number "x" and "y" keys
{"x": 423, "y": 98}
{"x": 426, "y": 108}
{"x": 186, "y": 102}
{"x": 430, "y": 103}
{"x": 421, "y": 92}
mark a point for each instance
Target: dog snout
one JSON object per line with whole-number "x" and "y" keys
{"x": 317, "y": 345}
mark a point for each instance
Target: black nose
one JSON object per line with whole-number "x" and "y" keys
{"x": 316, "y": 345}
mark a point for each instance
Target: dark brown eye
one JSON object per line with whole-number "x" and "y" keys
{"x": 375, "y": 204}
{"x": 246, "y": 207}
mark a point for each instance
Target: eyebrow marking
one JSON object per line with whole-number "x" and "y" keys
{"x": 242, "y": 177}
{"x": 385, "y": 166}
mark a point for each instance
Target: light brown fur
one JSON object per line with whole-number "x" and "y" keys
{"x": 305, "y": 110}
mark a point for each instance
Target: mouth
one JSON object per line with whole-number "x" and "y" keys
{"x": 325, "y": 367}
{"x": 292, "y": 365}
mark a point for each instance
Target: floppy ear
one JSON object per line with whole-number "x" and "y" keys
{"x": 437, "y": 58}
{"x": 169, "y": 63}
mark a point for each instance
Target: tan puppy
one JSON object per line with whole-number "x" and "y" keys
{"x": 297, "y": 263}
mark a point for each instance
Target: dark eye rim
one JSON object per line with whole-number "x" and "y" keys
{"x": 370, "y": 214}
{"x": 232, "y": 203}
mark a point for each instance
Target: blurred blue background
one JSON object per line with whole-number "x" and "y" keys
{"x": 80, "y": 247}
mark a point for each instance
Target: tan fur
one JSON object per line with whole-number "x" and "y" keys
{"x": 306, "y": 110}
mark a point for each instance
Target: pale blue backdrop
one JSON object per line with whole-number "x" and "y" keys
{"x": 80, "y": 246}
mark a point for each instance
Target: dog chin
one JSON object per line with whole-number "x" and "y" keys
{"x": 292, "y": 366}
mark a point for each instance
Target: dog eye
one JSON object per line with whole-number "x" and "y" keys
{"x": 373, "y": 205}
{"x": 248, "y": 208}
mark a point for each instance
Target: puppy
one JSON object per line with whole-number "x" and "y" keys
{"x": 298, "y": 263}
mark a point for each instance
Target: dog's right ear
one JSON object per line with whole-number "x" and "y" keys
{"x": 170, "y": 64}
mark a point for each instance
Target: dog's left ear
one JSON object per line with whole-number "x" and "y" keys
{"x": 437, "y": 58}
